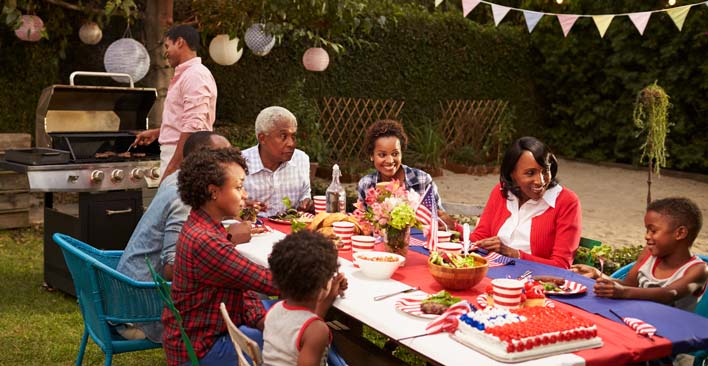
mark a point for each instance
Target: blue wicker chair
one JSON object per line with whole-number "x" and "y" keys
{"x": 108, "y": 297}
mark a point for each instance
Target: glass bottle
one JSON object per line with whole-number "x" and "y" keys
{"x": 336, "y": 197}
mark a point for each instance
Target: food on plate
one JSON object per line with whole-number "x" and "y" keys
{"x": 438, "y": 303}
{"x": 322, "y": 223}
{"x": 287, "y": 215}
{"x": 526, "y": 333}
{"x": 248, "y": 214}
{"x": 453, "y": 260}
{"x": 379, "y": 258}
{"x": 550, "y": 283}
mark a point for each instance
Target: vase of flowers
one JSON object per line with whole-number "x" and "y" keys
{"x": 389, "y": 211}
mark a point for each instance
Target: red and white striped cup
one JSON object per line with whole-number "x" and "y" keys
{"x": 444, "y": 236}
{"x": 344, "y": 230}
{"x": 320, "y": 203}
{"x": 361, "y": 243}
{"x": 507, "y": 292}
{"x": 450, "y": 248}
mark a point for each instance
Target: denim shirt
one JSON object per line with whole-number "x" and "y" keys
{"x": 155, "y": 237}
{"x": 415, "y": 179}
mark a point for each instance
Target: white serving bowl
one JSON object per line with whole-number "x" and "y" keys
{"x": 378, "y": 269}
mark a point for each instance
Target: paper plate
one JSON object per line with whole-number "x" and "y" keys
{"x": 410, "y": 304}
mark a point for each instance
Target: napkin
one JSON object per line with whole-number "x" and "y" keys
{"x": 639, "y": 326}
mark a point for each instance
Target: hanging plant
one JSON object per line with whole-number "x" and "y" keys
{"x": 651, "y": 116}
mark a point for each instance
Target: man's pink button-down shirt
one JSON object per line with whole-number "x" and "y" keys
{"x": 190, "y": 104}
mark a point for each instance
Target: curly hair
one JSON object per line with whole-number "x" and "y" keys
{"x": 543, "y": 156}
{"x": 202, "y": 168}
{"x": 682, "y": 212}
{"x": 302, "y": 263}
{"x": 385, "y": 128}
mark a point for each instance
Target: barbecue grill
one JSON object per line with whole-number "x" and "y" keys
{"x": 83, "y": 138}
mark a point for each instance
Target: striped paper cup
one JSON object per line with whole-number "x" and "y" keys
{"x": 444, "y": 236}
{"x": 361, "y": 243}
{"x": 507, "y": 292}
{"x": 344, "y": 230}
{"x": 320, "y": 203}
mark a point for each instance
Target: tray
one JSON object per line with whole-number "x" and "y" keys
{"x": 37, "y": 156}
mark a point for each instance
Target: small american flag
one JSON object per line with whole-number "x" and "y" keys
{"x": 447, "y": 321}
{"x": 427, "y": 214}
{"x": 639, "y": 326}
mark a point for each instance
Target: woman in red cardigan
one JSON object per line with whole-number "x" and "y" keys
{"x": 528, "y": 214}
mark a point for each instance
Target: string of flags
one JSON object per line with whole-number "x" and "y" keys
{"x": 602, "y": 21}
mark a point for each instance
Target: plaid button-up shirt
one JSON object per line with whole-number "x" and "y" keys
{"x": 415, "y": 179}
{"x": 209, "y": 270}
{"x": 291, "y": 179}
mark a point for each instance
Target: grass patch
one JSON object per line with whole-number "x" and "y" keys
{"x": 40, "y": 327}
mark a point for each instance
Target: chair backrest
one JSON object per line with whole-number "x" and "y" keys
{"x": 106, "y": 295}
{"x": 589, "y": 243}
{"x": 166, "y": 296}
{"x": 241, "y": 342}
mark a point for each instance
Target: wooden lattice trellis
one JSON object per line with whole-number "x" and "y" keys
{"x": 471, "y": 123}
{"x": 344, "y": 122}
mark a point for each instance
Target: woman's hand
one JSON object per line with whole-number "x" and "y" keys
{"x": 587, "y": 271}
{"x": 494, "y": 244}
{"x": 607, "y": 288}
{"x": 240, "y": 232}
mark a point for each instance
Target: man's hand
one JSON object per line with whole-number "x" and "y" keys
{"x": 257, "y": 205}
{"x": 240, "y": 232}
{"x": 146, "y": 137}
{"x": 306, "y": 205}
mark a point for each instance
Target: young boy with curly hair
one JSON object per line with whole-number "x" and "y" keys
{"x": 666, "y": 271}
{"x": 304, "y": 267}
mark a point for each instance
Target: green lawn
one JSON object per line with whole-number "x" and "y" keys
{"x": 38, "y": 327}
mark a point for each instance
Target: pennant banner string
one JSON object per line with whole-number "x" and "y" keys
{"x": 475, "y": 2}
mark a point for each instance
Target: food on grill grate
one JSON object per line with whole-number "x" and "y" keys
{"x": 105, "y": 154}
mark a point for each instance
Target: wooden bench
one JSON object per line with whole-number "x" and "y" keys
{"x": 14, "y": 187}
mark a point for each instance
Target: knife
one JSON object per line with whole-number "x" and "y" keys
{"x": 381, "y": 297}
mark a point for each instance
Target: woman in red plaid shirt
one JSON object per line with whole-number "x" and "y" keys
{"x": 207, "y": 269}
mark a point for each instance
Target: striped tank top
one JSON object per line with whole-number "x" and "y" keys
{"x": 646, "y": 279}
{"x": 283, "y": 330}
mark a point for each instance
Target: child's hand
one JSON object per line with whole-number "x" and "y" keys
{"x": 339, "y": 285}
{"x": 608, "y": 288}
{"x": 586, "y": 271}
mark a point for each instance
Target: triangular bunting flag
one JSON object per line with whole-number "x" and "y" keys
{"x": 468, "y": 6}
{"x": 602, "y": 22}
{"x": 532, "y": 18}
{"x": 438, "y": 2}
{"x": 640, "y": 20}
{"x": 499, "y": 13}
{"x": 566, "y": 22}
{"x": 678, "y": 15}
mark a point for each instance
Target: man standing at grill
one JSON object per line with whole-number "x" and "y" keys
{"x": 156, "y": 234}
{"x": 190, "y": 104}
{"x": 276, "y": 169}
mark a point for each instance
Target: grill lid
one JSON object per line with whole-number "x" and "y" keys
{"x": 80, "y": 108}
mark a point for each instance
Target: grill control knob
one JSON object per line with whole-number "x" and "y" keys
{"x": 97, "y": 176}
{"x": 153, "y": 173}
{"x": 117, "y": 175}
{"x": 137, "y": 174}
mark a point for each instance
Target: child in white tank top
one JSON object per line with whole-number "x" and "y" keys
{"x": 666, "y": 271}
{"x": 304, "y": 267}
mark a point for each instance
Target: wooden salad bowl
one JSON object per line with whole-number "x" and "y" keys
{"x": 459, "y": 278}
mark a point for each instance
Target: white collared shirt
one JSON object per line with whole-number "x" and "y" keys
{"x": 291, "y": 179}
{"x": 516, "y": 231}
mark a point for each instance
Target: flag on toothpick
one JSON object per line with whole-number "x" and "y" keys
{"x": 427, "y": 214}
{"x": 447, "y": 321}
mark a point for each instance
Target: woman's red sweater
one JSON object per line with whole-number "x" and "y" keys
{"x": 555, "y": 234}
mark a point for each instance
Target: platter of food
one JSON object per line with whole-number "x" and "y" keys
{"x": 291, "y": 215}
{"x": 560, "y": 286}
{"x": 422, "y": 305}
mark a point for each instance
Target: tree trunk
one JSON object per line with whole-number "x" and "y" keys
{"x": 158, "y": 18}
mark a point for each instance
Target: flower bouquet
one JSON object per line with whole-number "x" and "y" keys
{"x": 389, "y": 211}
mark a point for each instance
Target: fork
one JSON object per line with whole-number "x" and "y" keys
{"x": 525, "y": 275}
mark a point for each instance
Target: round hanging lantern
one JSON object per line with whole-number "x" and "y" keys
{"x": 127, "y": 56}
{"x": 315, "y": 59}
{"x": 90, "y": 33}
{"x": 30, "y": 29}
{"x": 224, "y": 51}
{"x": 258, "y": 40}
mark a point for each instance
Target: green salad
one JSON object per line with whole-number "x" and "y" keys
{"x": 454, "y": 260}
{"x": 443, "y": 297}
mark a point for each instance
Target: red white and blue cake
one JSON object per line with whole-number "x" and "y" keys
{"x": 525, "y": 333}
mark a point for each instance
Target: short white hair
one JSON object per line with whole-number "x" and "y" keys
{"x": 267, "y": 118}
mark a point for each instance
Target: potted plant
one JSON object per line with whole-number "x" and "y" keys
{"x": 651, "y": 115}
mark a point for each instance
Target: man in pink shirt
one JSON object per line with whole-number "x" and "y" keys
{"x": 190, "y": 105}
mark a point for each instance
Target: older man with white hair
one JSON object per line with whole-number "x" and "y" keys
{"x": 276, "y": 169}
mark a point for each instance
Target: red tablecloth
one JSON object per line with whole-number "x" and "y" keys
{"x": 621, "y": 344}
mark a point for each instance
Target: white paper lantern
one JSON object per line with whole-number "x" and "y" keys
{"x": 127, "y": 56}
{"x": 30, "y": 29}
{"x": 90, "y": 33}
{"x": 315, "y": 59}
{"x": 224, "y": 51}
{"x": 258, "y": 40}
